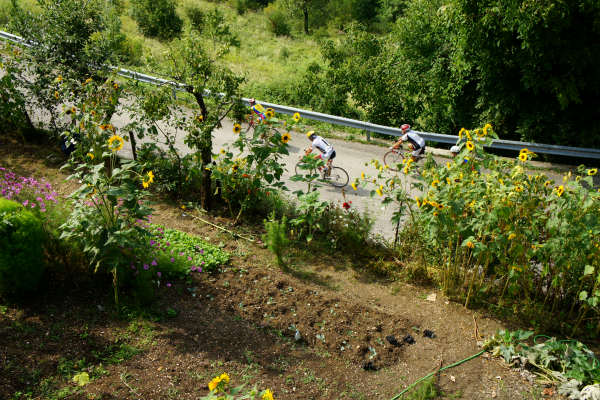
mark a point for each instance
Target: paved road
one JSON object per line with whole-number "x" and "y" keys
{"x": 352, "y": 156}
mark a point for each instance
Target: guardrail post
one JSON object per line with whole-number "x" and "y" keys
{"x": 174, "y": 93}
{"x": 368, "y": 133}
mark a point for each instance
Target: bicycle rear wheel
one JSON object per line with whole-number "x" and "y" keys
{"x": 338, "y": 177}
{"x": 392, "y": 158}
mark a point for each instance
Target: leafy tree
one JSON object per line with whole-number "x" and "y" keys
{"x": 536, "y": 66}
{"x": 157, "y": 18}
{"x": 78, "y": 39}
{"x": 195, "y": 63}
{"x": 304, "y": 8}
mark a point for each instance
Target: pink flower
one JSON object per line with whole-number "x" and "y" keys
{"x": 154, "y": 263}
{"x": 169, "y": 284}
{"x": 172, "y": 260}
{"x": 146, "y": 267}
{"x": 158, "y": 274}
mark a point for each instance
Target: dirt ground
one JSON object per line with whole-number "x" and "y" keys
{"x": 359, "y": 337}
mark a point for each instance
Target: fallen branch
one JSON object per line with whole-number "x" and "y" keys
{"x": 232, "y": 233}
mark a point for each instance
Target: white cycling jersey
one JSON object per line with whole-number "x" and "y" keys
{"x": 323, "y": 146}
{"x": 416, "y": 140}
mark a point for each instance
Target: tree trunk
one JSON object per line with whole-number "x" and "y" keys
{"x": 305, "y": 11}
{"x": 205, "y": 148}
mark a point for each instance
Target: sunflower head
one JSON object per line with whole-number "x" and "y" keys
{"x": 592, "y": 172}
{"x": 523, "y": 157}
{"x": 270, "y": 113}
{"x": 296, "y": 117}
{"x": 115, "y": 143}
{"x": 286, "y": 137}
{"x": 237, "y": 128}
{"x": 470, "y": 145}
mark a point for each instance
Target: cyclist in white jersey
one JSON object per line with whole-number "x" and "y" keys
{"x": 327, "y": 151}
{"x": 415, "y": 142}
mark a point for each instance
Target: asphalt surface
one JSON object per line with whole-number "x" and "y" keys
{"x": 352, "y": 156}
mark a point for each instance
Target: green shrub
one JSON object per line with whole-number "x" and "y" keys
{"x": 278, "y": 21}
{"x": 196, "y": 17}
{"x": 157, "y": 18}
{"x": 21, "y": 249}
{"x": 132, "y": 51}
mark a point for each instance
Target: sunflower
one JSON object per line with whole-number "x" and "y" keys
{"x": 362, "y": 175}
{"x": 111, "y": 143}
{"x": 379, "y": 190}
{"x": 518, "y": 188}
{"x": 448, "y": 181}
{"x": 486, "y": 128}
{"x": 237, "y": 128}
{"x": 354, "y": 186}
{"x": 418, "y": 200}
{"x": 235, "y": 167}
{"x": 435, "y": 183}
{"x": 448, "y": 165}
{"x": 286, "y": 137}
{"x": 200, "y": 118}
{"x": 440, "y": 206}
{"x": 460, "y": 133}
{"x": 267, "y": 395}
{"x": 270, "y": 113}
{"x": 547, "y": 183}
{"x": 58, "y": 79}
{"x": 56, "y": 95}
{"x": 435, "y": 213}
{"x": 468, "y": 134}
{"x": 73, "y": 110}
{"x": 523, "y": 157}
{"x": 470, "y": 145}
{"x": 524, "y": 150}
{"x": 115, "y": 86}
{"x": 592, "y": 172}
{"x": 222, "y": 151}
{"x": 150, "y": 176}
{"x": 90, "y": 155}
{"x": 88, "y": 80}
{"x": 296, "y": 117}
{"x": 560, "y": 190}
{"x": 470, "y": 245}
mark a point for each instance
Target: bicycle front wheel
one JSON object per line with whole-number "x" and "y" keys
{"x": 338, "y": 177}
{"x": 392, "y": 158}
{"x": 301, "y": 168}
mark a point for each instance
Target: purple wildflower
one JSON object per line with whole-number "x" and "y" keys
{"x": 146, "y": 267}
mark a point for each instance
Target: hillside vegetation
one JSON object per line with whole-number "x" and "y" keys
{"x": 439, "y": 65}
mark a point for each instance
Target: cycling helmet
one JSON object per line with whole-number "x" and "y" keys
{"x": 454, "y": 149}
{"x": 310, "y": 134}
{"x": 405, "y": 127}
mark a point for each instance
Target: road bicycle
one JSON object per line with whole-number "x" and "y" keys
{"x": 336, "y": 176}
{"x": 396, "y": 157}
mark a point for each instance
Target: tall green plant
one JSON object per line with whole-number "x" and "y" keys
{"x": 276, "y": 237}
{"x": 109, "y": 208}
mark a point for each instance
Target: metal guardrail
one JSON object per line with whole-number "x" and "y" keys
{"x": 576, "y": 152}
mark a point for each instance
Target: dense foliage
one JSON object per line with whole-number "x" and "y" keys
{"x": 529, "y": 68}
{"x": 21, "y": 249}
{"x": 157, "y": 18}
